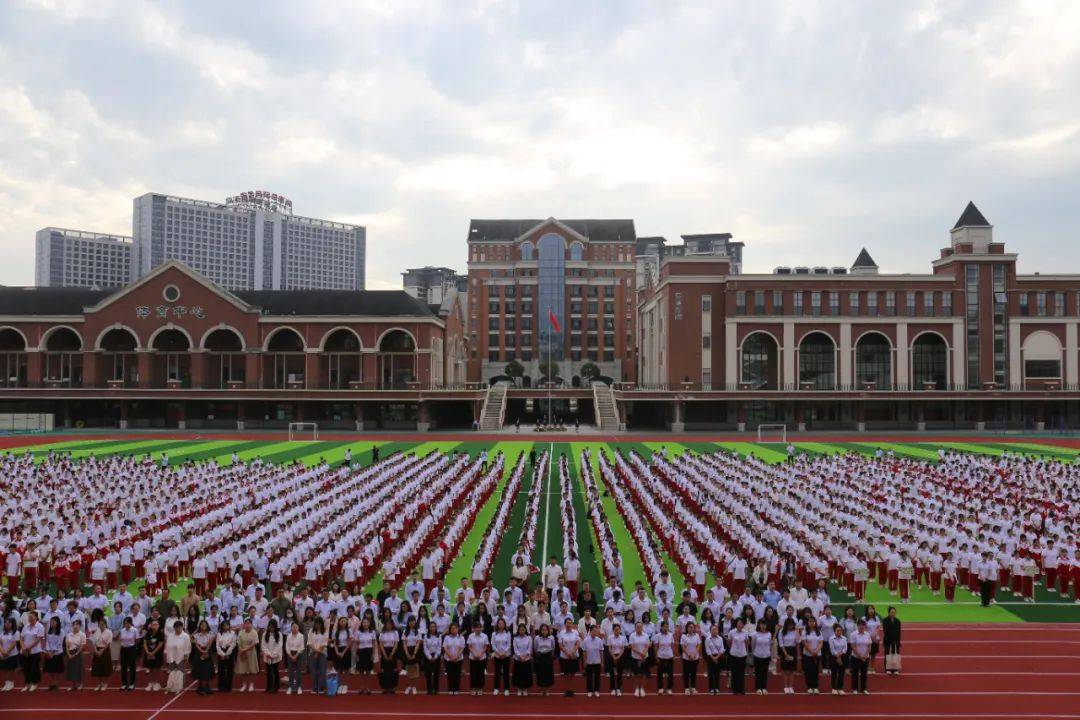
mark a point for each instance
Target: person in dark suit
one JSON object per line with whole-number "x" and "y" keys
{"x": 890, "y": 629}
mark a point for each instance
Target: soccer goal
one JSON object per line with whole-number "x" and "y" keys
{"x": 772, "y": 433}
{"x": 300, "y": 430}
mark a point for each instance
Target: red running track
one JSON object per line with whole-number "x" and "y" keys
{"x": 1022, "y": 672}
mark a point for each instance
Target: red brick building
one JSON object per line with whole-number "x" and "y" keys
{"x": 969, "y": 343}
{"x": 173, "y": 349}
{"x": 521, "y": 272}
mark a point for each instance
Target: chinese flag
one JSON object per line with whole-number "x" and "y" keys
{"x": 554, "y": 321}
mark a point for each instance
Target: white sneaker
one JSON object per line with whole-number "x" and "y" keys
{"x": 299, "y": 691}
{"x": 288, "y": 691}
{"x": 505, "y": 692}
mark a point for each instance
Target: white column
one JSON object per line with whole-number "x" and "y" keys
{"x": 731, "y": 369}
{"x": 1071, "y": 354}
{"x": 788, "y": 379}
{"x": 1016, "y": 362}
{"x": 959, "y": 345}
{"x": 846, "y": 378}
{"x": 903, "y": 352}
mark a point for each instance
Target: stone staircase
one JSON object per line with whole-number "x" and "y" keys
{"x": 607, "y": 415}
{"x": 491, "y": 417}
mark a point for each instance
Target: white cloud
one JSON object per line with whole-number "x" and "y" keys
{"x": 792, "y": 124}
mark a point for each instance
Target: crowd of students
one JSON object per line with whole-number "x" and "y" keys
{"x": 543, "y": 640}
{"x": 275, "y": 558}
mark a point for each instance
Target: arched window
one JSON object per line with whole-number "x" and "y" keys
{"x": 930, "y": 362}
{"x": 12, "y": 358}
{"x": 120, "y": 361}
{"x": 397, "y": 359}
{"x": 873, "y": 361}
{"x": 759, "y": 362}
{"x": 527, "y": 251}
{"x": 577, "y": 251}
{"x": 342, "y": 352}
{"x": 284, "y": 364}
{"x": 174, "y": 361}
{"x": 63, "y": 359}
{"x": 224, "y": 358}
{"x": 817, "y": 361}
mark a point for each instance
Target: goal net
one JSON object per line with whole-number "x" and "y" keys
{"x": 772, "y": 433}
{"x": 303, "y": 431}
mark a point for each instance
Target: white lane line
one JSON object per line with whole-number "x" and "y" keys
{"x": 173, "y": 699}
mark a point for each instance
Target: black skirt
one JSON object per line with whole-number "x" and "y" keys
{"x": 54, "y": 664}
{"x": 522, "y": 674}
{"x": 787, "y": 662}
{"x": 544, "y": 669}
{"x": 569, "y": 666}
{"x": 365, "y": 659}
{"x": 101, "y": 665}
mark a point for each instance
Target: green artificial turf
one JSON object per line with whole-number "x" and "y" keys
{"x": 924, "y": 607}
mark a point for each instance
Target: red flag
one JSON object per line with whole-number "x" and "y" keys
{"x": 554, "y": 321}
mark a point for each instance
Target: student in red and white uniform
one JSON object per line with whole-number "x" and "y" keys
{"x": 949, "y": 576}
{"x": 30, "y": 568}
{"x": 112, "y": 569}
{"x": 13, "y": 569}
{"x": 127, "y": 562}
{"x": 199, "y": 573}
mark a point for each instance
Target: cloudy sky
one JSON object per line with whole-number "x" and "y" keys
{"x": 806, "y": 129}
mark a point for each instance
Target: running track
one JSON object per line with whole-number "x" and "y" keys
{"x": 1022, "y": 672}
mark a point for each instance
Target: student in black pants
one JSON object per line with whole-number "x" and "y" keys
{"x": 714, "y": 658}
{"x": 838, "y": 647}
{"x": 664, "y": 645}
{"x": 431, "y": 652}
{"x": 812, "y": 643}
{"x": 453, "y": 655}
{"x": 859, "y": 657}
{"x": 739, "y": 640}
{"x": 762, "y": 642}
{"x": 890, "y": 631}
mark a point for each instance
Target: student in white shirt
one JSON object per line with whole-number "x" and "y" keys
{"x": 664, "y": 645}
{"x": 453, "y": 645}
{"x": 640, "y": 644}
{"x": 615, "y": 657}
{"x": 715, "y": 658}
{"x": 859, "y": 644}
{"x": 690, "y": 647}
{"x": 592, "y": 646}
{"x": 838, "y": 646}
{"x": 294, "y": 649}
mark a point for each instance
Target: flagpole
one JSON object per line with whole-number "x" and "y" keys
{"x": 549, "y": 375}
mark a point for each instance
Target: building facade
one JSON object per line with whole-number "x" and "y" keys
{"x": 523, "y": 273}
{"x": 431, "y": 284}
{"x": 77, "y": 258}
{"x": 970, "y": 343}
{"x": 253, "y": 241}
{"x": 173, "y": 348}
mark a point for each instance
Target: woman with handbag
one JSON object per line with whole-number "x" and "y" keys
{"x": 890, "y": 631}
{"x": 177, "y": 650}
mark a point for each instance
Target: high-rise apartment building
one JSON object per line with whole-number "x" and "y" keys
{"x": 76, "y": 258}
{"x": 250, "y": 242}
